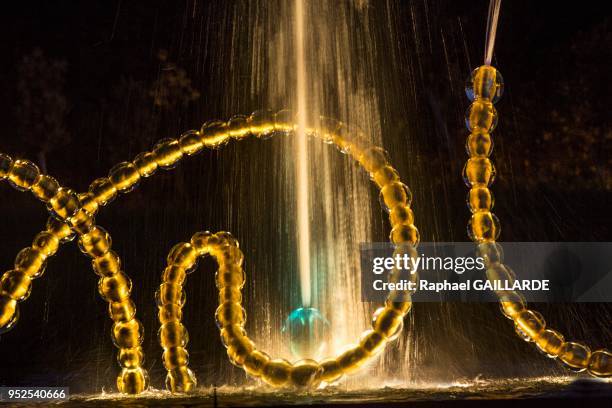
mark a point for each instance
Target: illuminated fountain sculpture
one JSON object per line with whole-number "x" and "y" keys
{"x": 73, "y": 215}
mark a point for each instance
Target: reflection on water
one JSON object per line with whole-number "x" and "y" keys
{"x": 474, "y": 389}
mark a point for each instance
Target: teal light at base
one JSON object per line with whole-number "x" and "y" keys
{"x": 306, "y": 332}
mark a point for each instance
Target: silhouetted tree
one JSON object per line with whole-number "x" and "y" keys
{"x": 41, "y": 107}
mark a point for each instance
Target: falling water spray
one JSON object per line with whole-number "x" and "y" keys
{"x": 301, "y": 160}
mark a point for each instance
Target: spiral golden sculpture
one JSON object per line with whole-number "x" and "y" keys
{"x": 73, "y": 215}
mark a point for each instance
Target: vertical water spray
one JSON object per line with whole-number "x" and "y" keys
{"x": 317, "y": 58}
{"x": 301, "y": 160}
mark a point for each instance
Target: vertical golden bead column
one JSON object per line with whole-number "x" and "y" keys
{"x": 114, "y": 285}
{"x": 173, "y": 336}
{"x": 484, "y": 89}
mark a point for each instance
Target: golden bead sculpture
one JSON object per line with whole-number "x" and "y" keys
{"x": 73, "y": 215}
{"x": 231, "y": 318}
{"x": 484, "y": 88}
{"x": 70, "y": 219}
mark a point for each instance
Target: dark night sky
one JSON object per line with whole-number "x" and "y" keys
{"x": 539, "y": 45}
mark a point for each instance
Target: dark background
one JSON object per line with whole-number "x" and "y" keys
{"x": 89, "y": 84}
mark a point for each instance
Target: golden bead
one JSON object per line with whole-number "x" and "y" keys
{"x": 481, "y": 115}
{"x": 170, "y": 293}
{"x": 6, "y": 163}
{"x": 96, "y": 242}
{"x": 124, "y": 176}
{"x": 239, "y": 349}
{"x": 45, "y": 188}
{"x": 484, "y": 227}
{"x": 229, "y": 313}
{"x": 173, "y": 334}
{"x": 31, "y": 262}
{"x": 237, "y": 127}
{"x": 529, "y": 324}
{"x": 305, "y": 374}
{"x": 479, "y": 144}
{"x": 181, "y": 379}
{"x": 480, "y": 199}
{"x": 23, "y": 174}
{"x": 352, "y": 359}
{"x": 387, "y": 322}
{"x": 123, "y": 311}
{"x": 16, "y": 285}
{"x": 46, "y": 243}
{"x": 107, "y": 264}
{"x": 174, "y": 274}
{"x": 170, "y": 312}
{"x": 261, "y": 123}
{"x": 386, "y": 175}
{"x": 167, "y": 153}
{"x": 103, "y": 191}
{"x": 600, "y": 364}
{"x": 130, "y": 357}
{"x": 133, "y": 380}
{"x": 550, "y": 342}
{"x": 191, "y": 143}
{"x": 128, "y": 334}
{"x": 145, "y": 164}
{"x": 64, "y": 204}
{"x": 199, "y": 241}
{"x": 224, "y": 238}
{"x": 230, "y": 276}
{"x": 232, "y": 332}
{"x": 230, "y": 294}
{"x": 372, "y": 342}
{"x": 255, "y": 362}
{"x": 485, "y": 83}
{"x": 9, "y": 313}
{"x": 229, "y": 255}
{"x": 403, "y": 233}
{"x": 88, "y": 203}
{"x": 214, "y": 243}
{"x": 394, "y": 194}
{"x": 401, "y": 214}
{"x": 511, "y": 303}
{"x": 183, "y": 255}
{"x": 214, "y": 134}
{"x": 478, "y": 172}
{"x": 575, "y": 355}
{"x": 174, "y": 357}
{"x": 373, "y": 159}
{"x": 276, "y": 372}
{"x": 115, "y": 288}
{"x": 60, "y": 229}
{"x": 81, "y": 222}
{"x": 394, "y": 302}
{"x": 331, "y": 370}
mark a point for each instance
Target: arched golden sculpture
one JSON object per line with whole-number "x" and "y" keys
{"x": 74, "y": 215}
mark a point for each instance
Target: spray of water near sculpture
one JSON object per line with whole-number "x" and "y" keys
{"x": 324, "y": 341}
